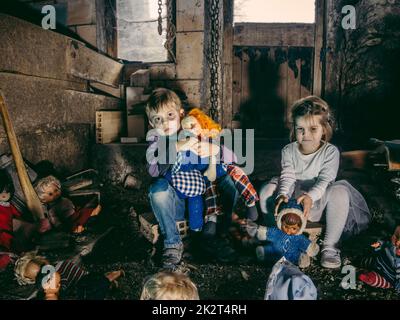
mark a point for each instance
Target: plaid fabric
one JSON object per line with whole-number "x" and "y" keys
{"x": 190, "y": 183}
{"x": 211, "y": 197}
{"x": 243, "y": 185}
{"x": 177, "y": 165}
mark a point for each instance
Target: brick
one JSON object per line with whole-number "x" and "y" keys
{"x": 87, "y": 33}
{"x": 81, "y": 12}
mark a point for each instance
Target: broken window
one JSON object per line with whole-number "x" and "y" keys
{"x": 138, "y": 36}
{"x": 274, "y": 11}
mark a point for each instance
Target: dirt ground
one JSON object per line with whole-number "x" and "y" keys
{"x": 124, "y": 247}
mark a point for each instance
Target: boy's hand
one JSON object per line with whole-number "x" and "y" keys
{"x": 307, "y": 203}
{"x": 278, "y": 201}
{"x": 186, "y": 144}
{"x": 205, "y": 149}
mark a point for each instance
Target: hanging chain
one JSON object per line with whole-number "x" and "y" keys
{"x": 160, "y": 17}
{"x": 171, "y": 30}
{"x": 213, "y": 57}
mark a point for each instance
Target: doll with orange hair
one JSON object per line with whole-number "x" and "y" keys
{"x": 197, "y": 123}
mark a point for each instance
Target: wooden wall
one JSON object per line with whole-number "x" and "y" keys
{"x": 272, "y": 68}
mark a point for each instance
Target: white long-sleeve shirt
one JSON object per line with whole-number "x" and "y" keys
{"x": 317, "y": 169}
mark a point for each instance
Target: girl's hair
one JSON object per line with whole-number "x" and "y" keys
{"x": 163, "y": 98}
{"x": 169, "y": 286}
{"x": 6, "y": 184}
{"x": 44, "y": 183}
{"x": 291, "y": 219}
{"x": 313, "y": 106}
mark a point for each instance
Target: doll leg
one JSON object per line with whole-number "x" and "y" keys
{"x": 196, "y": 207}
{"x": 81, "y": 216}
{"x": 245, "y": 189}
{"x": 374, "y": 279}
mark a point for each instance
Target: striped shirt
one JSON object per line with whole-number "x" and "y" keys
{"x": 70, "y": 273}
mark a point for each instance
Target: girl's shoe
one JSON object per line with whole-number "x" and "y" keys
{"x": 330, "y": 258}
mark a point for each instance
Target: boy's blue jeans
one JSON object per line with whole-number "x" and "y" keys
{"x": 169, "y": 208}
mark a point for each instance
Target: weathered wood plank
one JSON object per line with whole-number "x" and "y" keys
{"x": 227, "y": 111}
{"x": 318, "y": 43}
{"x": 162, "y": 71}
{"x": 28, "y": 99}
{"x": 283, "y": 81}
{"x": 245, "y": 94}
{"x": 293, "y": 88}
{"x": 31, "y": 50}
{"x": 236, "y": 84}
{"x": 189, "y": 55}
{"x": 81, "y": 12}
{"x": 84, "y": 63}
{"x": 274, "y": 34}
{"x": 87, "y": 33}
{"x": 189, "y": 15}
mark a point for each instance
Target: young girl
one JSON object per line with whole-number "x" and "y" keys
{"x": 309, "y": 169}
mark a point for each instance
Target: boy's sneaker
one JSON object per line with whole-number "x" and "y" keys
{"x": 330, "y": 258}
{"x": 172, "y": 257}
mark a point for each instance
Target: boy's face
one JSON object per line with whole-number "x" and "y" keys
{"x": 290, "y": 229}
{"x": 168, "y": 120}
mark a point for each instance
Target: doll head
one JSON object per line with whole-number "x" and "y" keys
{"x": 6, "y": 186}
{"x": 290, "y": 218}
{"x": 169, "y": 286}
{"x": 201, "y": 124}
{"x": 396, "y": 240}
{"x": 48, "y": 189}
{"x": 28, "y": 267}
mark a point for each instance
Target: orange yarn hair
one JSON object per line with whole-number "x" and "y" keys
{"x": 204, "y": 120}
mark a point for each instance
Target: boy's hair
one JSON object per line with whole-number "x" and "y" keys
{"x": 162, "y": 98}
{"x": 22, "y": 263}
{"x": 6, "y": 184}
{"x": 44, "y": 183}
{"x": 291, "y": 219}
{"x": 169, "y": 286}
{"x": 313, "y": 106}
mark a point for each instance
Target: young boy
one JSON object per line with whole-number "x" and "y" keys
{"x": 164, "y": 111}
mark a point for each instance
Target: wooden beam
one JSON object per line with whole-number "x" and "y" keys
{"x": 29, "y": 49}
{"x": 106, "y": 27}
{"x": 318, "y": 45}
{"x": 274, "y": 34}
{"x": 227, "y": 64}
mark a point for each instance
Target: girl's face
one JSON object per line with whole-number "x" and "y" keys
{"x": 309, "y": 132}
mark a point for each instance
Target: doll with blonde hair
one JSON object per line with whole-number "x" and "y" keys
{"x": 61, "y": 211}
{"x": 169, "y": 286}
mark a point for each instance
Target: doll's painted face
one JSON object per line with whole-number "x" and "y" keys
{"x": 5, "y": 196}
{"x": 291, "y": 223}
{"x": 396, "y": 243}
{"x": 290, "y": 229}
{"x": 50, "y": 193}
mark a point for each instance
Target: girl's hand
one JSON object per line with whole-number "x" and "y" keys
{"x": 278, "y": 201}
{"x": 307, "y": 203}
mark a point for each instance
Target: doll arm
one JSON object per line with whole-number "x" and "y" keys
{"x": 312, "y": 249}
{"x": 254, "y": 230}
